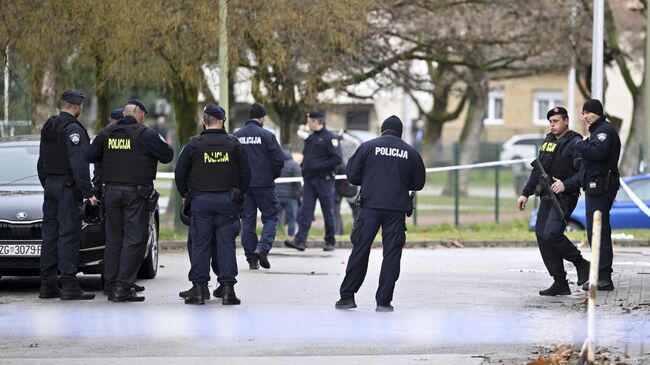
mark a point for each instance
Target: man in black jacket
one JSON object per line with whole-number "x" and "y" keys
{"x": 266, "y": 160}
{"x": 65, "y": 177}
{"x": 386, "y": 168}
{"x": 129, "y": 153}
{"x": 289, "y": 193}
{"x": 559, "y": 157}
{"x": 599, "y": 177}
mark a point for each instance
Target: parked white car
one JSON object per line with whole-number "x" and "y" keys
{"x": 521, "y": 146}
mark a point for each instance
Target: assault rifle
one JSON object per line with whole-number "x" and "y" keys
{"x": 545, "y": 182}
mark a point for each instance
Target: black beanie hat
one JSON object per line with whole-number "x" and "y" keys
{"x": 257, "y": 111}
{"x": 593, "y": 106}
{"x": 392, "y": 123}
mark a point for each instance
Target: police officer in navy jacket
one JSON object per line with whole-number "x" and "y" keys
{"x": 321, "y": 155}
{"x": 387, "y": 168}
{"x": 599, "y": 177}
{"x": 213, "y": 172}
{"x": 266, "y": 160}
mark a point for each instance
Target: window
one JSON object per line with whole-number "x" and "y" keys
{"x": 494, "y": 115}
{"x": 543, "y": 101}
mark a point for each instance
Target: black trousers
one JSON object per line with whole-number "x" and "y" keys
{"x": 393, "y": 237}
{"x": 604, "y": 204}
{"x": 553, "y": 244}
{"x": 61, "y": 229}
{"x": 127, "y": 233}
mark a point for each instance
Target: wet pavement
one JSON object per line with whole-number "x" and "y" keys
{"x": 452, "y": 306}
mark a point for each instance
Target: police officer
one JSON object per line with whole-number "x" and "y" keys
{"x": 129, "y": 153}
{"x": 65, "y": 177}
{"x": 213, "y": 171}
{"x": 321, "y": 155}
{"x": 266, "y": 159}
{"x": 559, "y": 158}
{"x": 599, "y": 177}
{"x": 116, "y": 114}
{"x": 386, "y": 168}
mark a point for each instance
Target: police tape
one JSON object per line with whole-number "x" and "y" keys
{"x": 635, "y": 199}
{"x": 280, "y": 180}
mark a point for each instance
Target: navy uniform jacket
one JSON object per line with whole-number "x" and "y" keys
{"x": 184, "y": 164}
{"x": 152, "y": 143}
{"x": 386, "y": 168}
{"x": 264, "y": 153}
{"x": 80, "y": 170}
{"x": 600, "y": 152}
{"x": 321, "y": 154}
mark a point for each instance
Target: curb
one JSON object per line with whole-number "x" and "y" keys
{"x": 181, "y": 245}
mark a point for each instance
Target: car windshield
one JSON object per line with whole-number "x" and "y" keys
{"x": 18, "y": 165}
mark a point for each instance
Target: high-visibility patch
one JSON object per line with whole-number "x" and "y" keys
{"x": 216, "y": 157}
{"x": 119, "y": 144}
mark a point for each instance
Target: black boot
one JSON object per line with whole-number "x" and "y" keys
{"x": 122, "y": 293}
{"x": 71, "y": 290}
{"x": 197, "y": 293}
{"x": 218, "y": 292}
{"x": 49, "y": 289}
{"x": 229, "y": 297}
{"x": 263, "y": 259}
{"x": 582, "y": 268}
{"x": 205, "y": 292}
{"x": 253, "y": 265}
{"x": 346, "y": 303}
{"x": 138, "y": 288}
{"x": 559, "y": 287}
{"x": 293, "y": 244}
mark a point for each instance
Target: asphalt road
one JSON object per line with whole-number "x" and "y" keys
{"x": 452, "y": 306}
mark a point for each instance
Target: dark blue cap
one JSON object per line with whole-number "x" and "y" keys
{"x": 117, "y": 114}
{"x": 137, "y": 103}
{"x": 73, "y": 96}
{"x": 215, "y": 111}
{"x": 316, "y": 114}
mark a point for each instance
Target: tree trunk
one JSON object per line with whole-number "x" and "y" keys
{"x": 289, "y": 116}
{"x": 631, "y": 159}
{"x": 185, "y": 99}
{"x": 431, "y": 149}
{"x": 103, "y": 92}
{"x": 470, "y": 136}
{"x": 43, "y": 95}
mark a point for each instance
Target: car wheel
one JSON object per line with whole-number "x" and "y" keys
{"x": 149, "y": 267}
{"x": 574, "y": 226}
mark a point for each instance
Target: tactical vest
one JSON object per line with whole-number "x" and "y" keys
{"x": 215, "y": 167}
{"x": 124, "y": 161}
{"x": 54, "y": 153}
{"x": 552, "y": 157}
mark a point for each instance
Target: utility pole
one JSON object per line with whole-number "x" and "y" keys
{"x": 597, "y": 69}
{"x": 223, "y": 57}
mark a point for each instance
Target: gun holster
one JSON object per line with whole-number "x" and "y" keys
{"x": 152, "y": 200}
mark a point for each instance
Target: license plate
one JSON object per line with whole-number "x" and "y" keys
{"x": 20, "y": 250}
